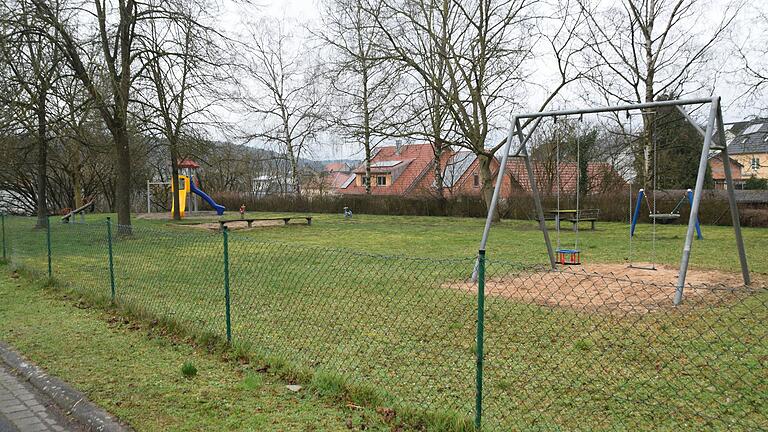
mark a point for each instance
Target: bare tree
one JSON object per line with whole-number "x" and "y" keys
{"x": 116, "y": 34}
{"x": 34, "y": 67}
{"x": 288, "y": 102}
{"x": 431, "y": 113}
{"x": 642, "y": 49}
{"x": 79, "y": 137}
{"x": 486, "y": 46}
{"x": 752, "y": 52}
{"x": 184, "y": 77}
{"x": 364, "y": 82}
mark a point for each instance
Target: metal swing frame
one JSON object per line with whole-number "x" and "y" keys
{"x": 715, "y": 120}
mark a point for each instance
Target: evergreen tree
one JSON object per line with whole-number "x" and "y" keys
{"x": 678, "y": 150}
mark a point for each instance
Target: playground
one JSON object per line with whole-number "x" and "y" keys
{"x": 341, "y": 295}
{"x": 612, "y": 288}
{"x": 648, "y": 326}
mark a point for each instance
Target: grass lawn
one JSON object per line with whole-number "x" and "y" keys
{"x": 406, "y": 326}
{"x": 512, "y": 240}
{"x": 135, "y": 373}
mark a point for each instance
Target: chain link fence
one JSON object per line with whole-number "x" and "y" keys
{"x": 560, "y": 349}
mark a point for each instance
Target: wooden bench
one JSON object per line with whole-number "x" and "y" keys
{"x": 586, "y": 215}
{"x": 250, "y": 221}
{"x": 80, "y": 211}
{"x": 547, "y": 217}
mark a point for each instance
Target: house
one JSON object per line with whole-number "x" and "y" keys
{"x": 601, "y": 177}
{"x": 718, "y": 171}
{"x": 395, "y": 170}
{"x": 272, "y": 184}
{"x": 336, "y": 173}
{"x": 325, "y": 181}
{"x": 750, "y": 148}
{"x": 409, "y": 170}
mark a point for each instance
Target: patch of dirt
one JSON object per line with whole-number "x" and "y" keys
{"x": 617, "y": 287}
{"x": 167, "y": 215}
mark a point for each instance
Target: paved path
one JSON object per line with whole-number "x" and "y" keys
{"x": 24, "y": 409}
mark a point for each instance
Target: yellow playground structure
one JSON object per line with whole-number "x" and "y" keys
{"x": 187, "y": 185}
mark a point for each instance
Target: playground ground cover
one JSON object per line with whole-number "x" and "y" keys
{"x": 373, "y": 318}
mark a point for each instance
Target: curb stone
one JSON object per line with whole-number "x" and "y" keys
{"x": 71, "y": 401}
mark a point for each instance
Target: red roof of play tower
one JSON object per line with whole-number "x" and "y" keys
{"x": 188, "y": 163}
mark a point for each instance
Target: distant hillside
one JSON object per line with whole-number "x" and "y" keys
{"x": 321, "y": 163}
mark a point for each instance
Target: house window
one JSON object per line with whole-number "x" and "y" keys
{"x": 381, "y": 180}
{"x": 476, "y": 180}
{"x": 755, "y": 164}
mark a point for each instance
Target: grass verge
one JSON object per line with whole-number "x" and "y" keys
{"x": 201, "y": 369}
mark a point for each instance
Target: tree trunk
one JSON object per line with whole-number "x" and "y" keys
{"x": 366, "y": 129}
{"x": 76, "y": 167}
{"x": 42, "y": 162}
{"x": 77, "y": 185}
{"x": 123, "y": 180}
{"x": 294, "y": 165}
{"x": 367, "y": 178}
{"x": 175, "y": 182}
{"x": 649, "y": 116}
{"x": 438, "y": 167}
{"x": 486, "y": 183}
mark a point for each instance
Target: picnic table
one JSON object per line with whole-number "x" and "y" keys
{"x": 250, "y": 221}
{"x": 575, "y": 216}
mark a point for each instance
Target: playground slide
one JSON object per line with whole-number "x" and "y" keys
{"x": 219, "y": 208}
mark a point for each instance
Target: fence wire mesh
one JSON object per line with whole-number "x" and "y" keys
{"x": 563, "y": 349}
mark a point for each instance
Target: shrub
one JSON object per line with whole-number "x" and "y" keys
{"x": 754, "y": 183}
{"x": 614, "y": 206}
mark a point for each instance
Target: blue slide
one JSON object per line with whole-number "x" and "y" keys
{"x": 219, "y": 208}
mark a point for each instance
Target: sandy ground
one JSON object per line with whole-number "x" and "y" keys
{"x": 237, "y": 225}
{"x": 617, "y": 288}
{"x": 167, "y": 215}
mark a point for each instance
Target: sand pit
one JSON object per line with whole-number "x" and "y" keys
{"x": 616, "y": 288}
{"x": 238, "y": 225}
{"x": 167, "y": 215}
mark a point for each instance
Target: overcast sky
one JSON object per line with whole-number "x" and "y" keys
{"x": 307, "y": 11}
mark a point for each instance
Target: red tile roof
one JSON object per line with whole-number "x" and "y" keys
{"x": 417, "y": 177}
{"x": 601, "y": 176}
{"x": 188, "y": 163}
{"x": 415, "y": 161}
{"x": 337, "y": 179}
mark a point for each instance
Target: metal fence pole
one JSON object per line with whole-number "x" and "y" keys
{"x": 480, "y": 328}
{"x": 111, "y": 261}
{"x": 2, "y": 222}
{"x": 225, "y": 234}
{"x": 48, "y": 242}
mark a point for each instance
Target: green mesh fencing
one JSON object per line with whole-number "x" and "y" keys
{"x": 563, "y": 350}
{"x": 26, "y": 244}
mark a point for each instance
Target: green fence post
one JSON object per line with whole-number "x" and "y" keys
{"x": 111, "y": 262}
{"x": 2, "y": 222}
{"x": 225, "y": 233}
{"x": 48, "y": 241}
{"x": 480, "y": 328}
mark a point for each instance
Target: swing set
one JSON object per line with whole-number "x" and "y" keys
{"x": 653, "y": 213}
{"x": 662, "y": 218}
{"x": 568, "y": 256}
{"x": 713, "y": 139}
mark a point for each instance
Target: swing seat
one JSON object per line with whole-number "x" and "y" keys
{"x": 664, "y": 218}
{"x": 568, "y": 256}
